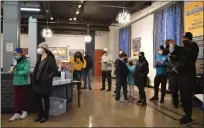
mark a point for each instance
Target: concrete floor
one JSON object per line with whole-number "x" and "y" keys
{"x": 99, "y": 109}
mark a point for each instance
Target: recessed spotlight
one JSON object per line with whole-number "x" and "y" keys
{"x": 74, "y": 18}
{"x": 70, "y": 19}
{"x": 79, "y": 6}
{"x": 51, "y": 18}
{"x": 77, "y": 12}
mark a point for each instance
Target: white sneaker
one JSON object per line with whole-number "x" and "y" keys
{"x": 16, "y": 116}
{"x": 24, "y": 115}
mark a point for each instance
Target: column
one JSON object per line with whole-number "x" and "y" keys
{"x": 11, "y": 31}
{"x": 113, "y": 44}
{"x": 90, "y": 47}
{"x": 32, "y": 40}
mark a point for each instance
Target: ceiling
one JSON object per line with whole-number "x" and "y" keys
{"x": 99, "y": 15}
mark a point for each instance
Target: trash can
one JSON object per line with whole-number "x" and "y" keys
{"x": 58, "y": 106}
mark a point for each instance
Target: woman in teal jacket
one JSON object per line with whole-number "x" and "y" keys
{"x": 21, "y": 81}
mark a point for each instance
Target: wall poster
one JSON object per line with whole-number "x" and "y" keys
{"x": 136, "y": 44}
{"x": 60, "y": 52}
{"x": 193, "y": 17}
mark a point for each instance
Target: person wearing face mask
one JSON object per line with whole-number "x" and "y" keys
{"x": 142, "y": 69}
{"x": 131, "y": 81}
{"x": 87, "y": 73}
{"x": 121, "y": 74}
{"x": 106, "y": 67}
{"x": 173, "y": 63}
{"x": 161, "y": 74}
{"x": 21, "y": 82}
{"x": 79, "y": 64}
{"x": 44, "y": 71}
{"x": 187, "y": 76}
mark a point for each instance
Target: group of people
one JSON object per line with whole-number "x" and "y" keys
{"x": 173, "y": 62}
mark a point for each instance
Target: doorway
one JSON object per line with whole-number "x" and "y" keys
{"x": 98, "y": 55}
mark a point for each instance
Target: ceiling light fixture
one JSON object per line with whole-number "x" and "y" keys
{"x": 79, "y": 6}
{"x": 87, "y": 38}
{"x": 47, "y": 33}
{"x": 77, "y": 12}
{"x": 74, "y": 18}
{"x": 123, "y": 17}
{"x": 70, "y": 19}
{"x": 31, "y": 9}
{"x": 51, "y": 18}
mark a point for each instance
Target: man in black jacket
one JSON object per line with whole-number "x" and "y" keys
{"x": 121, "y": 74}
{"x": 142, "y": 69}
{"x": 87, "y": 71}
{"x": 166, "y": 49}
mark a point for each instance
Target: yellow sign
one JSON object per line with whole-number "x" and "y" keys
{"x": 193, "y": 18}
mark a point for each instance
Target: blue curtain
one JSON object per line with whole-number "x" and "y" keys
{"x": 125, "y": 40}
{"x": 168, "y": 24}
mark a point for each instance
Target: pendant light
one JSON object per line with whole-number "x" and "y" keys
{"x": 87, "y": 38}
{"x": 46, "y": 32}
{"x": 123, "y": 17}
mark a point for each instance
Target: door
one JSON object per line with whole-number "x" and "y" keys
{"x": 98, "y": 55}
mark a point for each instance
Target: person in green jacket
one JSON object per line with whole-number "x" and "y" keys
{"x": 21, "y": 81}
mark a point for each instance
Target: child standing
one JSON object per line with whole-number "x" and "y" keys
{"x": 131, "y": 81}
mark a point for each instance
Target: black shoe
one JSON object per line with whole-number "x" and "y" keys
{"x": 102, "y": 89}
{"x": 186, "y": 121}
{"x": 90, "y": 88}
{"x": 154, "y": 98}
{"x": 43, "y": 120}
{"x": 117, "y": 99}
{"x": 139, "y": 102}
{"x": 162, "y": 100}
{"x": 175, "y": 106}
{"x": 144, "y": 104}
{"x": 84, "y": 88}
{"x": 37, "y": 119}
{"x": 109, "y": 90}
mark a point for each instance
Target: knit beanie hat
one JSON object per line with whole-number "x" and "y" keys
{"x": 188, "y": 35}
{"x": 142, "y": 54}
{"x": 18, "y": 50}
{"x": 105, "y": 49}
{"x": 161, "y": 47}
{"x": 44, "y": 45}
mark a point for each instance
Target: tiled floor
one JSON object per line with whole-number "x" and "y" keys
{"x": 99, "y": 109}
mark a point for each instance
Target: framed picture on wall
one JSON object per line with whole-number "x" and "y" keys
{"x": 73, "y": 51}
{"x": 136, "y": 44}
{"x": 60, "y": 52}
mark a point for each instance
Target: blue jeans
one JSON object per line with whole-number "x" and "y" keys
{"x": 87, "y": 78}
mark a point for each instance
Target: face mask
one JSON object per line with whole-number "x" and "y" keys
{"x": 105, "y": 53}
{"x": 171, "y": 49}
{"x": 17, "y": 57}
{"x": 39, "y": 51}
{"x": 140, "y": 57}
{"x": 130, "y": 63}
{"x": 161, "y": 52}
{"x": 186, "y": 42}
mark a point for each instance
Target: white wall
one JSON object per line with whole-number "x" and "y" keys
{"x": 101, "y": 40}
{"x": 144, "y": 29}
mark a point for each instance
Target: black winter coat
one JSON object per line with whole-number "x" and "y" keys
{"x": 121, "y": 72}
{"x": 89, "y": 63}
{"x": 44, "y": 84}
{"x": 194, "y": 50}
{"x": 142, "y": 68}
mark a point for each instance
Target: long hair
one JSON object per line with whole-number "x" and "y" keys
{"x": 81, "y": 58}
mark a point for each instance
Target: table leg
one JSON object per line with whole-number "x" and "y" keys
{"x": 79, "y": 98}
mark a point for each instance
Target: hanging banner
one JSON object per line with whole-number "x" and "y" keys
{"x": 193, "y": 18}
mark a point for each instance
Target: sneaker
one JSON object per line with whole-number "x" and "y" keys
{"x": 186, "y": 121}
{"x": 109, "y": 90}
{"x": 154, "y": 98}
{"x": 102, "y": 89}
{"x": 84, "y": 88}
{"x": 16, "y": 116}
{"x": 139, "y": 102}
{"x": 90, "y": 88}
{"x": 43, "y": 120}
{"x": 37, "y": 119}
{"x": 162, "y": 100}
{"x": 24, "y": 115}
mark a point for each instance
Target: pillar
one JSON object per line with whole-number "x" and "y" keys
{"x": 113, "y": 44}
{"x": 11, "y": 31}
{"x": 90, "y": 47}
{"x": 32, "y": 40}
